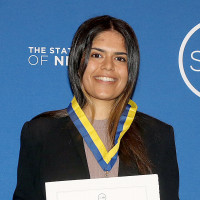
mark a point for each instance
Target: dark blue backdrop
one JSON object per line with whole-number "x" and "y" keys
{"x": 27, "y": 90}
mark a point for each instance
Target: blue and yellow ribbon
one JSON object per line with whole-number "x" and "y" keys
{"x": 105, "y": 159}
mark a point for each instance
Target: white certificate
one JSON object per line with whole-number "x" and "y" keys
{"x": 143, "y": 187}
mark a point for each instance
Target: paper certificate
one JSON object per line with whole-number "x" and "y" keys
{"x": 143, "y": 187}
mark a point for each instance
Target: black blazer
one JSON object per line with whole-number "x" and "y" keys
{"x": 52, "y": 150}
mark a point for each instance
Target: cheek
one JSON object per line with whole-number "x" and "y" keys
{"x": 87, "y": 76}
{"x": 124, "y": 75}
{"x": 85, "y": 80}
{"x": 90, "y": 69}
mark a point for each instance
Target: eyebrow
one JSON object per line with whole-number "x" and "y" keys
{"x": 116, "y": 53}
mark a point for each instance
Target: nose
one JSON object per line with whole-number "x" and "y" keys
{"x": 108, "y": 64}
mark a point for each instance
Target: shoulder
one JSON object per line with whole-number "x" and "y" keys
{"x": 151, "y": 124}
{"x": 153, "y": 130}
{"x": 149, "y": 121}
{"x": 45, "y": 124}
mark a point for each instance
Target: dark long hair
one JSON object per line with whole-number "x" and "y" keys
{"x": 132, "y": 145}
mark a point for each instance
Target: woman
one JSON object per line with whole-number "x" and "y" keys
{"x": 63, "y": 145}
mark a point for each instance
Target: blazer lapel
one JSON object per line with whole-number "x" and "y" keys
{"x": 78, "y": 142}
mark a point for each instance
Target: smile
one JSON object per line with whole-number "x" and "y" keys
{"x": 106, "y": 79}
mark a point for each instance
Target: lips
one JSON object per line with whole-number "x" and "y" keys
{"x": 105, "y": 79}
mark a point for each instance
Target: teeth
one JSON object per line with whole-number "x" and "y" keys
{"x": 105, "y": 79}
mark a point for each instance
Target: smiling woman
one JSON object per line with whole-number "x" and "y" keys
{"x": 101, "y": 133}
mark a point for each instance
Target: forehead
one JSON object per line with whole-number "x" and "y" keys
{"x": 109, "y": 38}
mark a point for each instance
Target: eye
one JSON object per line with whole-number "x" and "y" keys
{"x": 96, "y": 55}
{"x": 121, "y": 59}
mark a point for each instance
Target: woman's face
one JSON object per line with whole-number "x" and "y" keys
{"x": 106, "y": 74}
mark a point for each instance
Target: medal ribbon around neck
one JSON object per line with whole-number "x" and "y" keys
{"x": 105, "y": 159}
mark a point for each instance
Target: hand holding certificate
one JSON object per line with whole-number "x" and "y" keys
{"x": 144, "y": 187}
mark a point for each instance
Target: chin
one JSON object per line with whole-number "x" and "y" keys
{"x": 105, "y": 97}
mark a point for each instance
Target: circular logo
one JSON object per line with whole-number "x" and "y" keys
{"x": 191, "y": 72}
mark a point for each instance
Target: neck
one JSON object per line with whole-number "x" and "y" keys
{"x": 101, "y": 109}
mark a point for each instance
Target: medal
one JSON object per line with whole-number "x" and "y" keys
{"x": 105, "y": 159}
